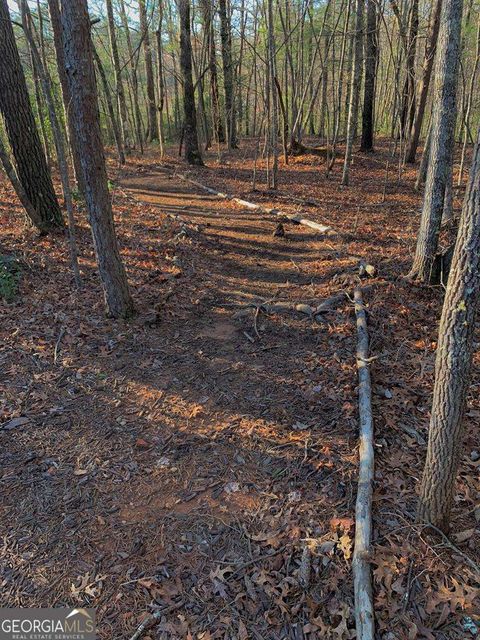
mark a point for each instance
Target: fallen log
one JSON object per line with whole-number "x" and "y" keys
{"x": 293, "y": 217}
{"x": 362, "y": 578}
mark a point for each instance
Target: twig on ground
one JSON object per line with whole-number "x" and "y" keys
{"x": 57, "y": 344}
{"x": 150, "y": 621}
{"x": 448, "y": 543}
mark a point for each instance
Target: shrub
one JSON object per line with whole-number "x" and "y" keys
{"x": 9, "y": 277}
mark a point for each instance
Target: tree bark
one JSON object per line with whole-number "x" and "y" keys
{"x": 453, "y": 362}
{"x": 370, "y": 77}
{"x": 31, "y": 165}
{"x": 422, "y": 169}
{"x": 192, "y": 151}
{"x": 151, "y": 107}
{"x": 443, "y": 125}
{"x": 81, "y": 77}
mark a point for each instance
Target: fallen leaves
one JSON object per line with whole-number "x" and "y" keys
{"x": 89, "y": 584}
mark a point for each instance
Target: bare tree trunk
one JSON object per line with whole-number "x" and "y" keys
{"x": 322, "y": 132}
{"x": 133, "y": 78}
{"x": 468, "y": 109}
{"x": 370, "y": 77}
{"x": 122, "y": 104}
{"x": 152, "y": 109}
{"x": 111, "y": 111}
{"x": 81, "y": 76}
{"x": 40, "y": 113}
{"x": 192, "y": 151}
{"x": 443, "y": 125}
{"x": 32, "y": 169}
{"x": 160, "y": 83}
{"x": 453, "y": 362}
{"x": 274, "y": 94}
{"x": 56, "y": 28}
{"x": 355, "y": 90}
{"x": 212, "y": 63}
{"x": 338, "y": 96}
{"x": 426, "y": 75}
{"x": 408, "y": 106}
{"x": 226, "y": 38}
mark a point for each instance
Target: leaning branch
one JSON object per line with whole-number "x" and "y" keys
{"x": 362, "y": 579}
{"x": 293, "y": 217}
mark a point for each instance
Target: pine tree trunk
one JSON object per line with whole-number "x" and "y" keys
{"x": 453, "y": 362}
{"x": 192, "y": 152}
{"x": 371, "y": 56}
{"x": 355, "y": 90}
{"x": 81, "y": 77}
{"x": 443, "y": 125}
{"x": 226, "y": 38}
{"x": 151, "y": 107}
{"x": 31, "y": 165}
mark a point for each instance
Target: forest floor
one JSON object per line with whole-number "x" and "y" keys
{"x": 201, "y": 459}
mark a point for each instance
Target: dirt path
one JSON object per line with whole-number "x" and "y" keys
{"x": 262, "y": 447}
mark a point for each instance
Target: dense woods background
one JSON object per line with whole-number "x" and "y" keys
{"x": 301, "y": 75}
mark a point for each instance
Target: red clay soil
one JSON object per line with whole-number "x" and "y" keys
{"x": 202, "y": 458}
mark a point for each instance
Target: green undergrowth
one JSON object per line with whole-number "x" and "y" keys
{"x": 10, "y": 272}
